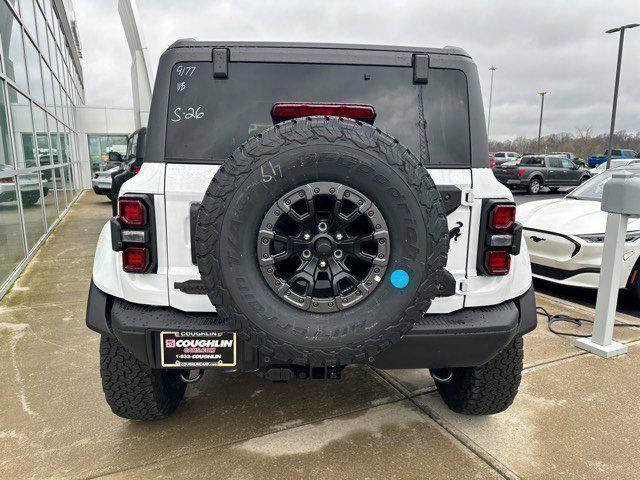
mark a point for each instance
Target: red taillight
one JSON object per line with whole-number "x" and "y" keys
{"x": 502, "y": 217}
{"x": 498, "y": 262}
{"x": 492, "y": 163}
{"x": 520, "y": 171}
{"x": 132, "y": 212}
{"x": 135, "y": 259}
{"x": 135, "y": 170}
{"x": 286, "y": 111}
{"x": 6, "y": 180}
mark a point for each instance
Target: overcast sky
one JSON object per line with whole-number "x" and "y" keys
{"x": 536, "y": 45}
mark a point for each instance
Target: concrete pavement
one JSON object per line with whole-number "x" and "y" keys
{"x": 576, "y": 415}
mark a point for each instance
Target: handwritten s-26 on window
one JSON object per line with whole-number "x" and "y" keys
{"x": 187, "y": 113}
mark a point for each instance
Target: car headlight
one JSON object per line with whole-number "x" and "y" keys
{"x": 631, "y": 236}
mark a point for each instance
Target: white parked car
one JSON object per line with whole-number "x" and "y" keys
{"x": 565, "y": 237}
{"x": 615, "y": 163}
{"x": 101, "y": 181}
{"x": 29, "y": 186}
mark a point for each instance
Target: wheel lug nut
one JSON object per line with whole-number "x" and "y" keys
{"x": 339, "y": 236}
{"x": 307, "y": 236}
{"x": 322, "y": 227}
{"x": 323, "y": 264}
{"x": 306, "y": 254}
{"x": 338, "y": 254}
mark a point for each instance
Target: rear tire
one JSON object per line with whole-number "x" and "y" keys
{"x": 534, "y": 186}
{"x": 132, "y": 389}
{"x": 487, "y": 389}
{"x": 29, "y": 199}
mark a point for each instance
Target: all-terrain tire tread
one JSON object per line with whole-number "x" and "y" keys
{"x": 489, "y": 388}
{"x": 258, "y": 150}
{"x": 132, "y": 389}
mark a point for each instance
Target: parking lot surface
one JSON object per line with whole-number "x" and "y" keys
{"x": 576, "y": 415}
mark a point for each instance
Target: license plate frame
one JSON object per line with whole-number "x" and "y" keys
{"x": 198, "y": 349}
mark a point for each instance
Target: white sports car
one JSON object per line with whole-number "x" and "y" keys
{"x": 101, "y": 181}
{"x": 565, "y": 237}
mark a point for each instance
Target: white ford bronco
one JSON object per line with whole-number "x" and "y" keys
{"x": 305, "y": 207}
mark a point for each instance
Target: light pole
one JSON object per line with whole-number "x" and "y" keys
{"x": 493, "y": 69}
{"x": 615, "y": 88}
{"x": 542, "y": 94}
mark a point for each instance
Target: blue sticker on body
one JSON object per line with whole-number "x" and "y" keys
{"x": 399, "y": 278}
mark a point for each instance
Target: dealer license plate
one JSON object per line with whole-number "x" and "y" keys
{"x": 198, "y": 349}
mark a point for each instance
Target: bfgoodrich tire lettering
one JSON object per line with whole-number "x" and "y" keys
{"x": 297, "y": 153}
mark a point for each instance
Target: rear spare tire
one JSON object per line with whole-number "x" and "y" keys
{"x": 322, "y": 240}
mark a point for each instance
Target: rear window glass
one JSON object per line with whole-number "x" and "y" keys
{"x": 532, "y": 161}
{"x": 208, "y": 118}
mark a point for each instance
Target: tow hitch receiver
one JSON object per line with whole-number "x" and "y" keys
{"x": 282, "y": 373}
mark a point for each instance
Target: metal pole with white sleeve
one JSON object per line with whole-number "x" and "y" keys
{"x": 621, "y": 200}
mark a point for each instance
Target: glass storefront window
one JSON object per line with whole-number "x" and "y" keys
{"x": 55, "y": 145}
{"x": 39, "y": 169}
{"x": 58, "y": 98}
{"x": 28, "y": 16}
{"x": 68, "y": 184}
{"x": 33, "y": 67}
{"x": 101, "y": 145}
{"x": 6, "y": 158}
{"x": 11, "y": 240}
{"x": 29, "y": 185}
{"x": 12, "y": 51}
{"x": 52, "y": 51}
{"x": 20, "y": 108}
{"x": 42, "y": 34}
{"x": 51, "y": 212}
{"x": 59, "y": 187}
{"x": 48, "y": 88}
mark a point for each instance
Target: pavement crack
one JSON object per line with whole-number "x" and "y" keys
{"x": 466, "y": 442}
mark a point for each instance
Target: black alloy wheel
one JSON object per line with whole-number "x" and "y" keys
{"x": 323, "y": 247}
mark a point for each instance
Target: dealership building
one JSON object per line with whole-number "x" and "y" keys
{"x": 50, "y": 141}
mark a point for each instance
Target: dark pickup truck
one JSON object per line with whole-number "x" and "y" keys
{"x": 535, "y": 171}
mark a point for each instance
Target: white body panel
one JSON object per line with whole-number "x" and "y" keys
{"x": 457, "y": 259}
{"x": 177, "y": 186}
{"x": 551, "y": 229}
{"x": 488, "y": 290}
{"x": 148, "y": 289}
{"x": 184, "y": 185}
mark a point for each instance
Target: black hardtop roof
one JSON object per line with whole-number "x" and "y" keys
{"x": 193, "y": 43}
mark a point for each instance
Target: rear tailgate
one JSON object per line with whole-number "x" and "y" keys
{"x": 210, "y": 115}
{"x": 506, "y": 174}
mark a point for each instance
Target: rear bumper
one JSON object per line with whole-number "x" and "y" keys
{"x": 468, "y": 337}
{"x": 512, "y": 182}
{"x": 101, "y": 190}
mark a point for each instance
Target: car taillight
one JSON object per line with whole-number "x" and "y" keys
{"x": 135, "y": 259}
{"x": 286, "y": 111}
{"x": 135, "y": 170}
{"x": 132, "y": 212}
{"x": 498, "y": 262}
{"x": 520, "y": 172}
{"x": 492, "y": 163}
{"x": 133, "y": 233}
{"x": 502, "y": 217}
{"x": 500, "y": 236}
{"x": 6, "y": 180}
